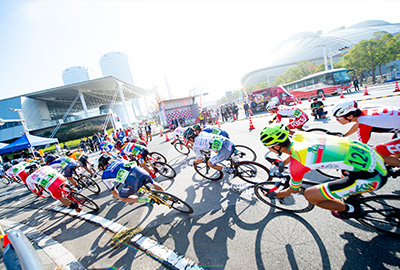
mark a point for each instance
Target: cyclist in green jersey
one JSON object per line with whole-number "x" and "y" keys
{"x": 363, "y": 167}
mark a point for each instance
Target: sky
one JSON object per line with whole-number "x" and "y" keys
{"x": 204, "y": 45}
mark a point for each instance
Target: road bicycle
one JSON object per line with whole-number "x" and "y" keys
{"x": 380, "y": 212}
{"x": 153, "y": 160}
{"x": 85, "y": 181}
{"x": 181, "y": 147}
{"x": 79, "y": 198}
{"x": 165, "y": 198}
{"x": 249, "y": 171}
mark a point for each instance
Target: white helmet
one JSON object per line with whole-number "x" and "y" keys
{"x": 272, "y": 105}
{"x": 345, "y": 108}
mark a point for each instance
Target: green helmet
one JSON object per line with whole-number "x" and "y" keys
{"x": 274, "y": 134}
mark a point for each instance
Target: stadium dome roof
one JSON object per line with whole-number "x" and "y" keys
{"x": 310, "y": 46}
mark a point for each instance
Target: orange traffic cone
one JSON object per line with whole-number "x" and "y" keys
{"x": 251, "y": 125}
{"x": 323, "y": 96}
{"x": 166, "y": 137}
{"x": 300, "y": 101}
{"x": 396, "y": 89}
{"x": 161, "y": 132}
{"x": 309, "y": 99}
{"x": 341, "y": 94}
{"x": 366, "y": 91}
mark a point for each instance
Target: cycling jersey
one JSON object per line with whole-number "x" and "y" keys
{"x": 76, "y": 155}
{"x": 106, "y": 146}
{"x": 18, "y": 171}
{"x": 49, "y": 179}
{"x": 121, "y": 172}
{"x": 66, "y": 164}
{"x": 309, "y": 151}
{"x": 381, "y": 120}
{"x": 178, "y": 132}
{"x": 300, "y": 117}
{"x": 216, "y": 131}
{"x": 135, "y": 149}
{"x": 216, "y": 143}
{"x": 389, "y": 148}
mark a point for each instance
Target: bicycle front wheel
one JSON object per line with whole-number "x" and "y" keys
{"x": 207, "y": 172}
{"x": 165, "y": 169}
{"x": 252, "y": 172}
{"x": 181, "y": 148}
{"x": 158, "y": 157}
{"x": 245, "y": 153}
{"x": 382, "y": 213}
{"x": 295, "y": 203}
{"x": 90, "y": 184}
{"x": 172, "y": 201}
{"x": 83, "y": 200}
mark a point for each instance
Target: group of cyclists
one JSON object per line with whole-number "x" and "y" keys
{"x": 363, "y": 165}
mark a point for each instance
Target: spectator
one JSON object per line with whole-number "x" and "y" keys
{"x": 355, "y": 83}
{"x": 147, "y": 128}
{"x": 83, "y": 144}
{"x": 246, "y": 108}
{"x": 317, "y": 108}
{"x": 140, "y": 133}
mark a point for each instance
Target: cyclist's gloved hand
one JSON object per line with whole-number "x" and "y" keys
{"x": 273, "y": 161}
{"x": 271, "y": 121}
{"x": 271, "y": 195}
{"x": 191, "y": 162}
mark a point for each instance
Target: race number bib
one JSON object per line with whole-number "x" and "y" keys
{"x": 47, "y": 180}
{"x": 297, "y": 113}
{"x": 216, "y": 144}
{"x": 358, "y": 156}
{"x": 122, "y": 175}
{"x": 216, "y": 131}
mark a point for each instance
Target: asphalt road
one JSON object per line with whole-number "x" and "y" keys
{"x": 226, "y": 230}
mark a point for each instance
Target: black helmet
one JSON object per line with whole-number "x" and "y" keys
{"x": 14, "y": 162}
{"x": 49, "y": 159}
{"x": 197, "y": 127}
{"x": 68, "y": 153}
{"x": 189, "y": 133}
{"x": 7, "y": 166}
{"x": 118, "y": 144}
{"x": 103, "y": 160}
{"x": 31, "y": 168}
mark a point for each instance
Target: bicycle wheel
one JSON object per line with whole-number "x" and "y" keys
{"x": 165, "y": 169}
{"x": 244, "y": 153}
{"x": 90, "y": 184}
{"x": 252, "y": 172}
{"x": 83, "y": 200}
{"x": 382, "y": 213}
{"x": 207, "y": 172}
{"x": 173, "y": 202}
{"x": 158, "y": 157}
{"x": 295, "y": 203}
{"x": 181, "y": 148}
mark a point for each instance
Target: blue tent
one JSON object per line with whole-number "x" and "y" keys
{"x": 26, "y": 141}
{"x": 3, "y": 145}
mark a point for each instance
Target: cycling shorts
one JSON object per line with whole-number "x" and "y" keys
{"x": 390, "y": 148}
{"x": 141, "y": 156}
{"x": 298, "y": 122}
{"x": 353, "y": 183}
{"x": 222, "y": 154}
{"x": 22, "y": 175}
{"x": 55, "y": 188}
{"x": 83, "y": 160}
{"x": 69, "y": 169}
{"x": 133, "y": 183}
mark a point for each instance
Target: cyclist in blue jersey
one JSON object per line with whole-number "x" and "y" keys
{"x": 132, "y": 178}
{"x": 67, "y": 165}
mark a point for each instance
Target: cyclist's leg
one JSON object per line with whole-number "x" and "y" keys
{"x": 55, "y": 190}
{"x": 222, "y": 155}
{"x": 68, "y": 173}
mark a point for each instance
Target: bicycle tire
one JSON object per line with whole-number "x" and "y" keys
{"x": 173, "y": 202}
{"x": 158, "y": 157}
{"x": 83, "y": 200}
{"x": 386, "y": 220}
{"x": 207, "y": 172}
{"x": 90, "y": 184}
{"x": 245, "y": 153}
{"x": 165, "y": 169}
{"x": 322, "y": 130}
{"x": 181, "y": 148}
{"x": 293, "y": 204}
{"x": 252, "y": 172}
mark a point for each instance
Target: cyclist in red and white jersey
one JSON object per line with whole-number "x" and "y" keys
{"x": 300, "y": 117}
{"x": 17, "y": 171}
{"x": 366, "y": 121}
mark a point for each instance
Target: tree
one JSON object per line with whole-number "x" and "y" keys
{"x": 295, "y": 73}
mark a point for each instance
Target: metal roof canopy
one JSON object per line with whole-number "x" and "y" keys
{"x": 95, "y": 92}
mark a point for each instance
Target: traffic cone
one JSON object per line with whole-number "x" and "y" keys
{"x": 251, "y": 113}
{"x": 161, "y": 132}
{"x": 251, "y": 125}
{"x": 396, "y": 89}
{"x": 166, "y": 137}
{"x": 323, "y": 96}
{"x": 309, "y": 99}
{"x": 299, "y": 101}
{"x": 366, "y": 91}
{"x": 341, "y": 94}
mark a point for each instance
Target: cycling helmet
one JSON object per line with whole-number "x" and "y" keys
{"x": 274, "y": 134}
{"x": 31, "y": 168}
{"x": 345, "y": 108}
{"x": 14, "y": 162}
{"x": 7, "y": 166}
{"x": 272, "y": 105}
{"x": 118, "y": 144}
{"x": 189, "y": 133}
{"x": 49, "y": 159}
{"x": 103, "y": 160}
{"x": 68, "y": 153}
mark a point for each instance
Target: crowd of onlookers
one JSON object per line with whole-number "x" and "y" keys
{"x": 222, "y": 114}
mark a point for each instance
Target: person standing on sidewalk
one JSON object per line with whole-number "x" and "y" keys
{"x": 147, "y": 128}
{"x": 355, "y": 83}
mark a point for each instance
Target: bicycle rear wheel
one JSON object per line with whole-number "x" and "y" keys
{"x": 244, "y": 153}
{"x": 181, "y": 148}
{"x": 382, "y": 213}
{"x": 83, "y": 200}
{"x": 158, "y": 157}
{"x": 173, "y": 202}
{"x": 207, "y": 172}
{"x": 90, "y": 184}
{"x": 252, "y": 172}
{"x": 295, "y": 203}
{"x": 165, "y": 169}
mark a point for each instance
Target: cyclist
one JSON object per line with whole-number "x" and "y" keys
{"x": 67, "y": 165}
{"x": 208, "y": 141}
{"x": 211, "y": 129}
{"x": 83, "y": 160}
{"x": 51, "y": 181}
{"x": 17, "y": 171}
{"x": 137, "y": 150}
{"x": 364, "y": 168}
{"x": 177, "y": 133}
{"x": 300, "y": 117}
{"x": 106, "y": 146}
{"x": 317, "y": 108}
{"x": 380, "y": 120}
{"x": 121, "y": 172}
